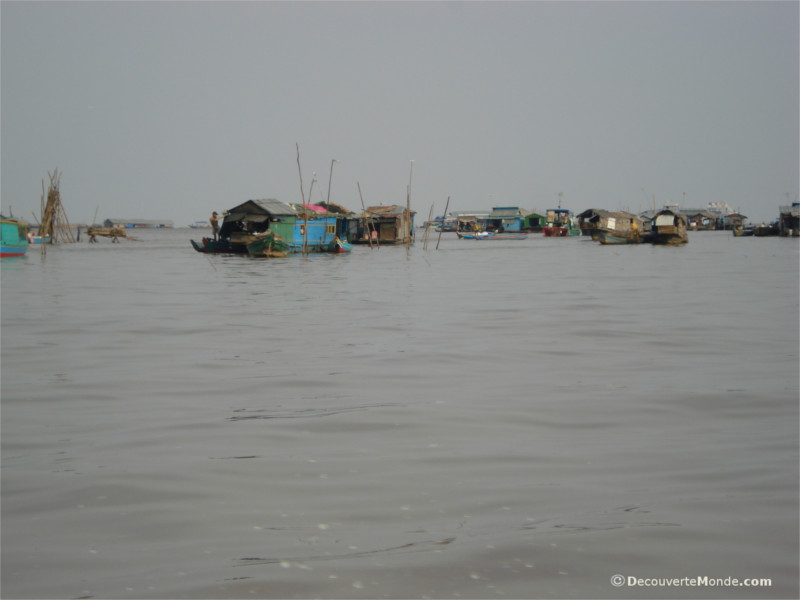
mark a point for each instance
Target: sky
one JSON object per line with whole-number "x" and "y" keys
{"x": 170, "y": 110}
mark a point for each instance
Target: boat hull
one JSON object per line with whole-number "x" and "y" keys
{"x": 210, "y": 246}
{"x": 13, "y": 238}
{"x": 492, "y": 236}
{"x": 337, "y": 246}
{"x": 555, "y": 231}
{"x": 611, "y": 239}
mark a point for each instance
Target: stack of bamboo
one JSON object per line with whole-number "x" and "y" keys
{"x": 55, "y": 224}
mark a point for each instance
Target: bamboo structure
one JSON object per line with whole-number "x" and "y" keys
{"x": 55, "y": 224}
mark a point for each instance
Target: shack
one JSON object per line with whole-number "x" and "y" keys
{"x": 533, "y": 222}
{"x": 505, "y": 218}
{"x": 384, "y": 225}
{"x": 731, "y": 221}
{"x": 594, "y": 220}
{"x": 699, "y": 219}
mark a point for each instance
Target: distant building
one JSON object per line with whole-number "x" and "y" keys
{"x": 138, "y": 224}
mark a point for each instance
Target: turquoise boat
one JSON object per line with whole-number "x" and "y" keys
{"x": 13, "y": 237}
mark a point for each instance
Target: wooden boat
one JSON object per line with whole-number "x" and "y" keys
{"x": 338, "y": 246}
{"x": 38, "y": 239}
{"x": 13, "y": 237}
{"x": 668, "y": 228}
{"x": 488, "y": 235}
{"x": 269, "y": 244}
{"x": 212, "y": 246}
{"x": 747, "y": 232}
{"x": 764, "y": 230}
{"x": 476, "y": 235}
{"x": 608, "y": 238}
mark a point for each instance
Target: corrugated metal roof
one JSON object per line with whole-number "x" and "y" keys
{"x": 269, "y": 206}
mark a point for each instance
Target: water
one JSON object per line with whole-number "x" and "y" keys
{"x": 517, "y": 419}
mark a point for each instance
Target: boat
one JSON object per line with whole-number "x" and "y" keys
{"x": 212, "y": 246}
{"x": 488, "y": 235}
{"x": 668, "y": 228}
{"x": 200, "y": 225}
{"x": 765, "y": 230}
{"x": 608, "y": 238}
{"x": 38, "y": 239}
{"x": 337, "y": 246}
{"x": 268, "y": 244}
{"x": 560, "y": 223}
{"x": 13, "y": 237}
{"x": 743, "y": 232}
{"x": 476, "y": 235}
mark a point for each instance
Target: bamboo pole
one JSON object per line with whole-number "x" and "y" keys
{"x": 443, "y": 219}
{"x": 427, "y": 230}
{"x": 302, "y": 193}
{"x": 410, "y": 232}
{"x": 366, "y": 219}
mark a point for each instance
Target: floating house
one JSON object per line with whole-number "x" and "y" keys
{"x": 731, "y": 221}
{"x": 668, "y": 228}
{"x": 468, "y": 221}
{"x": 310, "y": 231}
{"x": 699, "y": 220}
{"x": 533, "y": 222}
{"x": 505, "y": 218}
{"x": 620, "y": 224}
{"x": 383, "y": 225}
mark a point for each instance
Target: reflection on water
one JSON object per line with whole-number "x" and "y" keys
{"x": 525, "y": 420}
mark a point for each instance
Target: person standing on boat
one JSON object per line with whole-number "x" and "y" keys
{"x": 214, "y": 225}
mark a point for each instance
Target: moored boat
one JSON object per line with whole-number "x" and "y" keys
{"x": 668, "y": 228}
{"x": 38, "y": 239}
{"x": 338, "y": 246}
{"x": 268, "y": 244}
{"x": 474, "y": 235}
{"x": 608, "y": 238}
{"x": 488, "y": 235}
{"x": 560, "y": 223}
{"x": 13, "y": 237}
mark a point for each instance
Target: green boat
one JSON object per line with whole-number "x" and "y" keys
{"x": 269, "y": 244}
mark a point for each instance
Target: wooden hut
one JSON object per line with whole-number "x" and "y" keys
{"x": 619, "y": 223}
{"x": 385, "y": 225}
{"x": 505, "y": 218}
{"x": 699, "y": 220}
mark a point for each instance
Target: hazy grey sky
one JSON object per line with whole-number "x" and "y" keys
{"x": 169, "y": 110}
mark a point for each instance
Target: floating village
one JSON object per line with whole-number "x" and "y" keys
{"x": 274, "y": 229}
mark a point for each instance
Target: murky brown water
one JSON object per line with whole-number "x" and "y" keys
{"x": 519, "y": 419}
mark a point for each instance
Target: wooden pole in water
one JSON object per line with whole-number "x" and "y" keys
{"x": 409, "y": 229}
{"x": 302, "y": 193}
{"x": 427, "y": 230}
{"x": 366, "y": 221}
{"x": 443, "y": 220}
{"x": 43, "y": 251}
